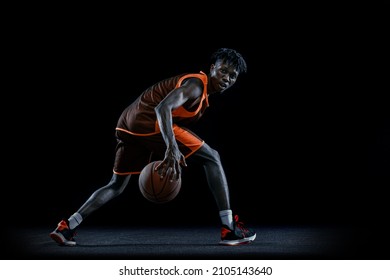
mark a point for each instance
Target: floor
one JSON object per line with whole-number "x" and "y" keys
{"x": 288, "y": 242}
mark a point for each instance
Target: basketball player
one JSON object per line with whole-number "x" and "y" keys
{"x": 153, "y": 123}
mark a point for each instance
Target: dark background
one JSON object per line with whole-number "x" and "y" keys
{"x": 304, "y": 135}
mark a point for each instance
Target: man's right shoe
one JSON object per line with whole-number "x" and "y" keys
{"x": 63, "y": 235}
{"x": 238, "y": 236}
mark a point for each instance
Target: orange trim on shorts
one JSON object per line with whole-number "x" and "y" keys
{"x": 187, "y": 139}
{"x": 125, "y": 173}
{"x": 137, "y": 134}
{"x": 194, "y": 150}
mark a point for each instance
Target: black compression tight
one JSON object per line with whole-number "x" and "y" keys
{"x": 101, "y": 196}
{"x": 215, "y": 174}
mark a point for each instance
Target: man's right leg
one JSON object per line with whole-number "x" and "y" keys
{"x": 233, "y": 231}
{"x": 65, "y": 231}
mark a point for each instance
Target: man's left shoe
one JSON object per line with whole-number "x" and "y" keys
{"x": 238, "y": 236}
{"x": 63, "y": 235}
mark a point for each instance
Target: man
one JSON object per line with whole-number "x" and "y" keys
{"x": 154, "y": 125}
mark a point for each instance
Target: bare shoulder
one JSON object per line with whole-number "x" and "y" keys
{"x": 193, "y": 87}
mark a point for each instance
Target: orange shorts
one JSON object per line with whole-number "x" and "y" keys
{"x": 134, "y": 151}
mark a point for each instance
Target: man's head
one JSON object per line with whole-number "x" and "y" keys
{"x": 226, "y": 65}
{"x": 231, "y": 57}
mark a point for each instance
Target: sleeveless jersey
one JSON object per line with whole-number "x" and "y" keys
{"x": 139, "y": 118}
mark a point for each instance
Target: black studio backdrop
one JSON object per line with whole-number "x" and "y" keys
{"x": 298, "y": 143}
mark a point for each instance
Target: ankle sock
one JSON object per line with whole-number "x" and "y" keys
{"x": 227, "y": 218}
{"x": 75, "y": 220}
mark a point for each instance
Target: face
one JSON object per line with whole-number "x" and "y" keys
{"x": 222, "y": 76}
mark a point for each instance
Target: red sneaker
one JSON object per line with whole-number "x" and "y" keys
{"x": 238, "y": 236}
{"x": 63, "y": 235}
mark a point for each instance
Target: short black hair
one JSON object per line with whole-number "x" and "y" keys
{"x": 230, "y": 56}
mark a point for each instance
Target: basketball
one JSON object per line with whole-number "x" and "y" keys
{"x": 157, "y": 189}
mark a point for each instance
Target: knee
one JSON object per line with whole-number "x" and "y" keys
{"x": 214, "y": 154}
{"x": 117, "y": 185}
{"x": 210, "y": 154}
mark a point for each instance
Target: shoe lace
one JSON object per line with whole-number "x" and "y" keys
{"x": 239, "y": 224}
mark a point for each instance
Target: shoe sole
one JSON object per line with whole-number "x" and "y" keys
{"x": 238, "y": 242}
{"x": 60, "y": 239}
